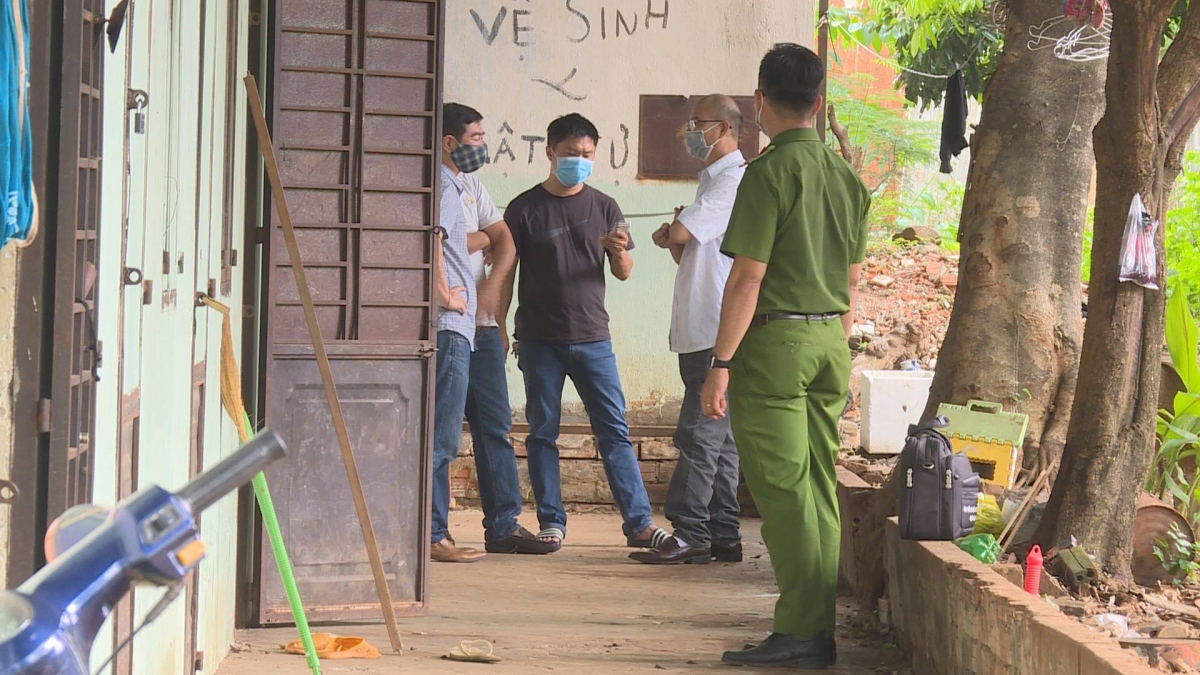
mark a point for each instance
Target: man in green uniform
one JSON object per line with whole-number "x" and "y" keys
{"x": 798, "y": 235}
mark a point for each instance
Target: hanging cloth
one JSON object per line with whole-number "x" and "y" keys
{"x": 954, "y": 120}
{"x": 16, "y": 141}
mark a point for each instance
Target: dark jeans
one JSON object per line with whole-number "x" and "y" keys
{"x": 453, "y": 373}
{"x": 702, "y": 499}
{"x": 593, "y": 368}
{"x": 490, "y": 418}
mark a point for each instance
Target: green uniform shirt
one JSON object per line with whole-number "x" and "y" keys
{"x": 802, "y": 210}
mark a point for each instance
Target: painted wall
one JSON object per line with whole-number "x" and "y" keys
{"x": 8, "y": 303}
{"x": 522, "y": 64}
{"x": 176, "y": 194}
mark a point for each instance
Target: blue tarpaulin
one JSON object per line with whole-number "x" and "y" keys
{"x": 16, "y": 141}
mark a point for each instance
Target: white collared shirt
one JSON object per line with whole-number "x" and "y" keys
{"x": 703, "y": 269}
{"x": 481, "y": 213}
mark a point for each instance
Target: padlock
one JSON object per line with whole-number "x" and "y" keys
{"x": 139, "y": 116}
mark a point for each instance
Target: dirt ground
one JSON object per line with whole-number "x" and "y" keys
{"x": 586, "y": 608}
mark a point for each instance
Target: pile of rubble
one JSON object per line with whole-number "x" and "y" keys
{"x": 908, "y": 287}
{"x": 1161, "y": 625}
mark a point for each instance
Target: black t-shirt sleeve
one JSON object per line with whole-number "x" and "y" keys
{"x": 513, "y": 218}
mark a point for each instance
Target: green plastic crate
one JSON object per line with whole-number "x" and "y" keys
{"x": 991, "y": 437}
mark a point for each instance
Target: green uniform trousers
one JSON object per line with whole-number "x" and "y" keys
{"x": 787, "y": 391}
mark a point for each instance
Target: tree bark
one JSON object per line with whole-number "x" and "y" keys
{"x": 1016, "y": 327}
{"x": 1139, "y": 143}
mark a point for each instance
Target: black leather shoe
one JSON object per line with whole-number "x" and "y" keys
{"x": 786, "y": 651}
{"x": 522, "y": 541}
{"x": 671, "y": 552}
{"x": 731, "y": 553}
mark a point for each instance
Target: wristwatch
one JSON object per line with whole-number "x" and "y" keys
{"x": 718, "y": 363}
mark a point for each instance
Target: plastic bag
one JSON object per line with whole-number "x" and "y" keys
{"x": 983, "y": 547}
{"x": 988, "y": 519}
{"x": 1139, "y": 257}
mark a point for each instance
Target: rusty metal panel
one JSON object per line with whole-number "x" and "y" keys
{"x": 661, "y": 120}
{"x": 76, "y": 351}
{"x": 355, "y": 102}
{"x": 127, "y": 484}
{"x": 383, "y": 408}
{"x": 195, "y": 467}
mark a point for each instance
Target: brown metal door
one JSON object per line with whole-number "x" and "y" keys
{"x": 354, "y": 101}
{"x": 76, "y": 353}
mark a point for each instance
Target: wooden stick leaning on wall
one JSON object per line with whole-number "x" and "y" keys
{"x": 267, "y": 149}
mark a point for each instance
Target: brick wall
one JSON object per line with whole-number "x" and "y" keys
{"x": 584, "y": 484}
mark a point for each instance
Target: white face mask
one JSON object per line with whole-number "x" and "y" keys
{"x": 696, "y": 144}
{"x": 758, "y": 118}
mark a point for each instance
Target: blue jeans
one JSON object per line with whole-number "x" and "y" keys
{"x": 450, "y": 400}
{"x": 593, "y": 368}
{"x": 490, "y": 418}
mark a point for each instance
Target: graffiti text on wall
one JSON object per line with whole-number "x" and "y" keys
{"x": 606, "y": 23}
{"x": 528, "y": 144}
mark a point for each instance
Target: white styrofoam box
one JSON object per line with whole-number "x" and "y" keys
{"x": 891, "y": 400}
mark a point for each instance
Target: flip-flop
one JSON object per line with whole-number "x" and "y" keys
{"x": 335, "y": 647}
{"x": 657, "y": 537}
{"x": 552, "y": 533}
{"x": 473, "y": 651}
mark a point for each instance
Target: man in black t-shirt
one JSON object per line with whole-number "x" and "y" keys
{"x": 565, "y": 231}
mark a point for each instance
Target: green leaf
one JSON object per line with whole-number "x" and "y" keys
{"x": 1176, "y": 489}
{"x": 1187, "y": 403}
{"x": 1182, "y": 337}
{"x": 1184, "y": 429}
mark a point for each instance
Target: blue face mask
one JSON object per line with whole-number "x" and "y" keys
{"x": 572, "y": 171}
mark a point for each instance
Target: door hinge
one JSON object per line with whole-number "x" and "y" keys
{"x": 43, "y": 416}
{"x": 198, "y": 662}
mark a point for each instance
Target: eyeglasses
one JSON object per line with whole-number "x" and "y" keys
{"x": 691, "y": 125}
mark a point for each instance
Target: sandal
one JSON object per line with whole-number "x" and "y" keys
{"x": 525, "y": 542}
{"x": 657, "y": 537}
{"x": 553, "y": 536}
{"x": 473, "y": 651}
{"x": 333, "y": 647}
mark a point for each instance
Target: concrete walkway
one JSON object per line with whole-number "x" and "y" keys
{"x": 584, "y": 609}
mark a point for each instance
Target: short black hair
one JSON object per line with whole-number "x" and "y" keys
{"x": 790, "y": 76}
{"x": 456, "y": 117}
{"x": 571, "y": 126}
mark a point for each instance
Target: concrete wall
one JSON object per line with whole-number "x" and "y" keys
{"x": 8, "y": 301}
{"x": 957, "y": 616}
{"x": 500, "y": 55}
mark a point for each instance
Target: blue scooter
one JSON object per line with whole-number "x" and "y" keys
{"x": 97, "y": 555}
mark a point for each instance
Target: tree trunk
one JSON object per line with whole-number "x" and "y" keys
{"x": 1016, "y": 328}
{"x": 1110, "y": 443}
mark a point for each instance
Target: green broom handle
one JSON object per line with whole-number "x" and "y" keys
{"x": 267, "y": 506}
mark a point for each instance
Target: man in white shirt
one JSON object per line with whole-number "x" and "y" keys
{"x": 702, "y": 498}
{"x": 487, "y": 409}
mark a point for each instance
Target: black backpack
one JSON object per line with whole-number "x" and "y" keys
{"x": 939, "y": 491}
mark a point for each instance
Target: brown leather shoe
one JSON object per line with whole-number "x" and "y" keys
{"x": 446, "y": 551}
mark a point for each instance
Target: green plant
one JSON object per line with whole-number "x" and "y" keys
{"x": 890, "y": 142}
{"x": 1178, "y": 556}
{"x": 1085, "y": 270}
{"x": 1183, "y": 229}
{"x": 925, "y": 36}
{"x": 1179, "y": 431}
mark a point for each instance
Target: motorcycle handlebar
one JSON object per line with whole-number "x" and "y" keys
{"x": 234, "y": 471}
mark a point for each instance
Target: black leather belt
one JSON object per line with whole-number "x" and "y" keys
{"x": 764, "y": 319}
